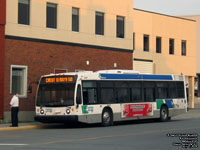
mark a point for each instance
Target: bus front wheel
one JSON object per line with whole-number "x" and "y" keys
{"x": 107, "y": 118}
{"x": 164, "y": 114}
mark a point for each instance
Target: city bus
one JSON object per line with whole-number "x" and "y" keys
{"x": 108, "y": 96}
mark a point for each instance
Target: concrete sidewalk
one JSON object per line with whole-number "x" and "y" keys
{"x": 197, "y": 102}
{"x": 21, "y": 126}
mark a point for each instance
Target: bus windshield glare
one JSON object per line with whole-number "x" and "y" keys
{"x": 55, "y": 94}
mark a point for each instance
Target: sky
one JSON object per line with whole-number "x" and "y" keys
{"x": 170, "y": 7}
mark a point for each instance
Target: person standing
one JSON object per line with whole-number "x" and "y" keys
{"x": 14, "y": 103}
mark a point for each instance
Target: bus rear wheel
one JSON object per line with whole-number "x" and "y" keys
{"x": 164, "y": 114}
{"x": 107, "y": 118}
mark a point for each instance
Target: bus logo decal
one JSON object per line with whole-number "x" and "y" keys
{"x": 87, "y": 110}
{"x": 168, "y": 102}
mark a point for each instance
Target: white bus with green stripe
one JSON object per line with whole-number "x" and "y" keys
{"x": 108, "y": 96}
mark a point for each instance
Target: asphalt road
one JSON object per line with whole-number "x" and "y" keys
{"x": 135, "y": 135}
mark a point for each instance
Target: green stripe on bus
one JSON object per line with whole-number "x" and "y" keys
{"x": 84, "y": 109}
{"x": 159, "y": 102}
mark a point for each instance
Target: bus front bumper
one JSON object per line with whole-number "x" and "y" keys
{"x": 56, "y": 119}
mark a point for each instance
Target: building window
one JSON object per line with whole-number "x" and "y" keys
{"x": 158, "y": 44}
{"x": 58, "y": 70}
{"x": 171, "y": 46}
{"x": 146, "y": 43}
{"x": 18, "y": 80}
{"x": 24, "y": 12}
{"x": 99, "y": 24}
{"x": 51, "y": 16}
{"x": 120, "y": 27}
{"x": 75, "y": 19}
{"x": 183, "y": 47}
{"x": 133, "y": 41}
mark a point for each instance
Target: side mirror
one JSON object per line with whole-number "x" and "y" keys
{"x": 30, "y": 89}
{"x": 30, "y": 86}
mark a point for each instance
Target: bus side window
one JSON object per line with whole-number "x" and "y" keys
{"x": 123, "y": 95}
{"x": 107, "y": 96}
{"x": 149, "y": 91}
{"x": 89, "y": 92}
{"x": 161, "y": 90}
{"x": 180, "y": 90}
{"x": 172, "y": 90}
{"x": 136, "y": 91}
{"x": 85, "y": 97}
{"x": 90, "y": 96}
{"x": 136, "y": 94}
{"x": 122, "y": 92}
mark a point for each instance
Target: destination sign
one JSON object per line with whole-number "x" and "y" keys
{"x": 59, "y": 79}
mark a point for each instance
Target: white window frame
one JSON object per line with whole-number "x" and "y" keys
{"x": 25, "y": 68}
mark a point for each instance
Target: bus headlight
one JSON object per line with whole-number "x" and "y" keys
{"x": 68, "y": 111}
{"x": 42, "y": 111}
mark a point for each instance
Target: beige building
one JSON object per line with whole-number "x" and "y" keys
{"x": 165, "y": 45}
{"x": 86, "y": 10}
{"x": 197, "y": 19}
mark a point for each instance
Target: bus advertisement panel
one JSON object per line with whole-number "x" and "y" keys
{"x": 137, "y": 110}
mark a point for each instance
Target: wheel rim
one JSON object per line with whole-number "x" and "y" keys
{"x": 164, "y": 114}
{"x": 106, "y": 117}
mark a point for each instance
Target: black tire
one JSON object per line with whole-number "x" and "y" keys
{"x": 164, "y": 114}
{"x": 107, "y": 118}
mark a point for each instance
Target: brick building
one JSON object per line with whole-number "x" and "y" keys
{"x": 2, "y": 53}
{"x": 39, "y": 37}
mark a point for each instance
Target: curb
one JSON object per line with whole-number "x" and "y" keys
{"x": 28, "y": 127}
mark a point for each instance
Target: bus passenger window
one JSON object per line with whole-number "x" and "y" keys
{"x": 89, "y": 96}
{"x": 122, "y": 91}
{"x": 162, "y": 90}
{"x": 107, "y": 96}
{"x": 136, "y": 94}
{"x": 85, "y": 97}
{"x": 136, "y": 91}
{"x": 149, "y": 95}
{"x": 89, "y": 92}
{"x": 180, "y": 90}
{"x": 92, "y": 96}
{"x": 172, "y": 90}
{"x": 123, "y": 95}
{"x": 149, "y": 91}
{"x": 106, "y": 89}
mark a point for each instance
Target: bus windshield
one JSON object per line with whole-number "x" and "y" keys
{"x": 56, "y": 95}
